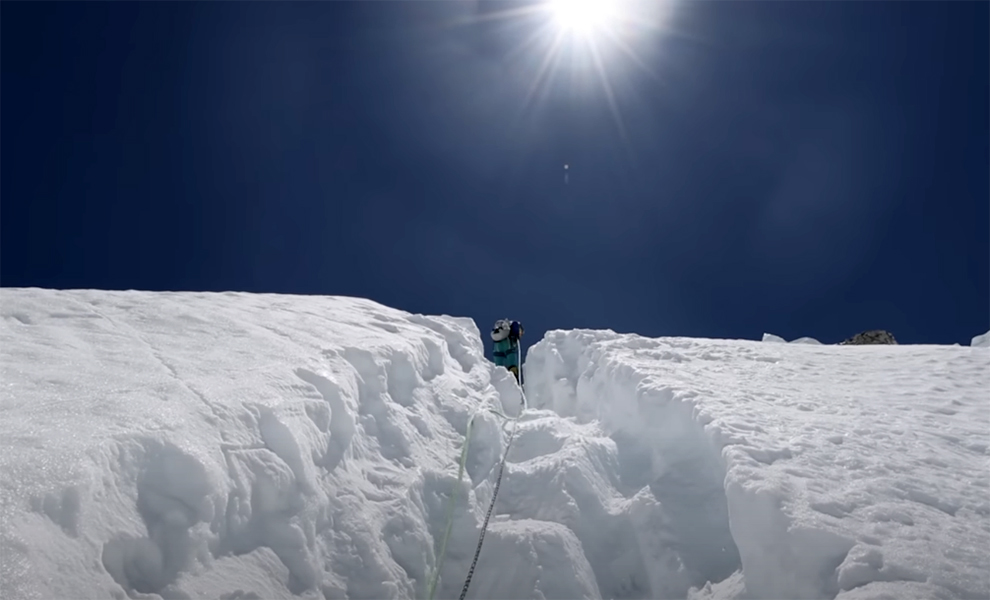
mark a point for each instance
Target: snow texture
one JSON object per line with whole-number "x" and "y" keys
{"x": 981, "y": 341}
{"x": 244, "y": 446}
{"x": 814, "y": 471}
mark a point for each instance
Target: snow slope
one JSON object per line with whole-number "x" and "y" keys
{"x": 237, "y": 446}
{"x": 821, "y": 471}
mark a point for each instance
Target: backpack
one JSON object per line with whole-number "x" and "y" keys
{"x": 501, "y": 330}
{"x": 504, "y": 328}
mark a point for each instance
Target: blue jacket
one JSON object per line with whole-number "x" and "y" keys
{"x": 506, "y": 352}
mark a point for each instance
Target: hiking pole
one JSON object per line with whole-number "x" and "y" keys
{"x": 522, "y": 392}
{"x": 519, "y": 364}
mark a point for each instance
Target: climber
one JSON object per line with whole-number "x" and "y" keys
{"x": 506, "y": 335}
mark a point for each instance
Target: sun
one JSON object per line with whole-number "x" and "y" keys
{"x": 583, "y": 17}
{"x": 590, "y": 39}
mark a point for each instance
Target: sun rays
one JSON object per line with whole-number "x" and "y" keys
{"x": 590, "y": 40}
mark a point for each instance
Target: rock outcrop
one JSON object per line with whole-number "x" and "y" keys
{"x": 874, "y": 336}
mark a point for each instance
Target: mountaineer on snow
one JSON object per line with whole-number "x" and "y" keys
{"x": 506, "y": 335}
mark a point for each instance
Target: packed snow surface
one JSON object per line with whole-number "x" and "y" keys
{"x": 240, "y": 446}
{"x": 820, "y": 471}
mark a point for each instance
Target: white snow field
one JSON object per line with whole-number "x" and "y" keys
{"x": 242, "y": 446}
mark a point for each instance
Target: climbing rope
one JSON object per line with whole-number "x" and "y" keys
{"x": 431, "y": 590}
{"x": 488, "y": 515}
{"x": 432, "y": 586}
{"x": 498, "y": 483}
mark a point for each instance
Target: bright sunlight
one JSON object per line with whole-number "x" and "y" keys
{"x": 583, "y": 17}
{"x": 589, "y": 37}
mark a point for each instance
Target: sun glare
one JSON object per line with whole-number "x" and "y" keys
{"x": 589, "y": 38}
{"x": 583, "y": 17}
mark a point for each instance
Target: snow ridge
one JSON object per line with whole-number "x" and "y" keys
{"x": 244, "y": 446}
{"x": 237, "y": 445}
{"x": 813, "y": 471}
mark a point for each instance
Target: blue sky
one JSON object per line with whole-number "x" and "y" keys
{"x": 801, "y": 168}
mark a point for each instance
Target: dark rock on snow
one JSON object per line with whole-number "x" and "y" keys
{"x": 874, "y": 336}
